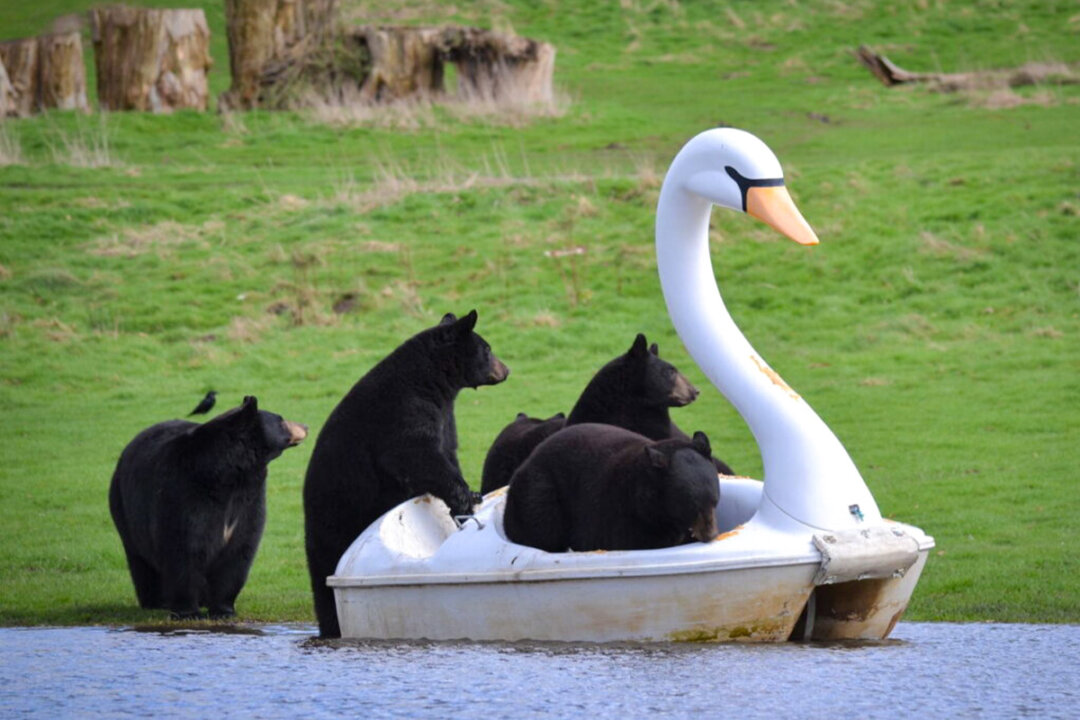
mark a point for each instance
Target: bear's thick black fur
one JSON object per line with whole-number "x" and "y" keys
{"x": 600, "y": 487}
{"x": 635, "y": 391}
{"x": 392, "y": 437}
{"x": 513, "y": 445}
{"x": 189, "y": 502}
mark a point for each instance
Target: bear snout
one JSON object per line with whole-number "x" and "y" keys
{"x": 704, "y": 528}
{"x": 683, "y": 393}
{"x": 499, "y": 371}
{"x": 297, "y": 432}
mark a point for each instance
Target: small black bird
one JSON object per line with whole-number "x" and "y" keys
{"x": 205, "y": 404}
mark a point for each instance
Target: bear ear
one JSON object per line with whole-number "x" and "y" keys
{"x": 655, "y": 349}
{"x": 250, "y": 406}
{"x": 656, "y": 458}
{"x": 448, "y": 319}
{"x": 701, "y": 444}
{"x": 640, "y": 346}
{"x": 466, "y": 324}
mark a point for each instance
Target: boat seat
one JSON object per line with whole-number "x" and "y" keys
{"x": 417, "y": 528}
{"x": 739, "y": 500}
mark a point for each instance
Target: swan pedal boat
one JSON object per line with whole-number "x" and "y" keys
{"x": 804, "y": 554}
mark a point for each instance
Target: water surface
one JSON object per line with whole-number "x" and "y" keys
{"x": 924, "y": 670}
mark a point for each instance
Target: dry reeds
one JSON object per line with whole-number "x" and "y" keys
{"x": 87, "y": 148}
{"x": 10, "y": 148}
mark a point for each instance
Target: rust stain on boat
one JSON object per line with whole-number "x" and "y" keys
{"x": 769, "y": 630}
{"x": 730, "y": 533}
{"x": 774, "y": 376}
{"x": 858, "y": 609}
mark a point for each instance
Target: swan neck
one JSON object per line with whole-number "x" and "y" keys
{"x": 807, "y": 472}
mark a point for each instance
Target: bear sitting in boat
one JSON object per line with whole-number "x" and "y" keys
{"x": 513, "y": 444}
{"x": 635, "y": 390}
{"x": 601, "y": 487}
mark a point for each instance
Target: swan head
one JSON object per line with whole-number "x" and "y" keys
{"x": 736, "y": 170}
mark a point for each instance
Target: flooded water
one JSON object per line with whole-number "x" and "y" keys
{"x": 925, "y": 670}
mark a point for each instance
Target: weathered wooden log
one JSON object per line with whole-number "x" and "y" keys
{"x": 20, "y": 58}
{"x": 151, "y": 60}
{"x": 890, "y": 74}
{"x": 272, "y": 43}
{"x": 494, "y": 66}
{"x": 409, "y": 62}
{"x": 62, "y": 72}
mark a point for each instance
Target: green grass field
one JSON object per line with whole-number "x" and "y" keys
{"x": 936, "y": 329}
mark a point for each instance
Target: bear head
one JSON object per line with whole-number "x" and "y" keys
{"x": 686, "y": 488}
{"x": 250, "y": 432}
{"x": 464, "y": 356}
{"x": 656, "y": 382}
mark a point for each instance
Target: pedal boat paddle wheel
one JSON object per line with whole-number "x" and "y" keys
{"x": 803, "y": 554}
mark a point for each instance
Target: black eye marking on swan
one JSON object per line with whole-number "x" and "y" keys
{"x": 746, "y": 183}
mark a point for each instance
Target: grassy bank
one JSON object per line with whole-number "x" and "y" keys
{"x": 145, "y": 260}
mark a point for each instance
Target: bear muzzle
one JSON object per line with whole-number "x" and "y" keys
{"x": 704, "y": 527}
{"x": 297, "y": 432}
{"x": 498, "y": 372}
{"x": 683, "y": 393}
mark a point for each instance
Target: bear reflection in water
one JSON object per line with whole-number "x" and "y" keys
{"x": 189, "y": 502}
{"x": 600, "y": 487}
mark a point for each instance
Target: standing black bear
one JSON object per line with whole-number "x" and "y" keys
{"x": 189, "y": 502}
{"x": 600, "y": 487}
{"x": 392, "y": 437}
{"x": 635, "y": 391}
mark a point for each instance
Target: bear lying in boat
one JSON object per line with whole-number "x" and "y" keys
{"x": 600, "y": 487}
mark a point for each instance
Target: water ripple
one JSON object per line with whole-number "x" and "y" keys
{"x": 280, "y": 671}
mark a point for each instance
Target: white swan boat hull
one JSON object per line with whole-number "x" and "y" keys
{"x": 414, "y": 574}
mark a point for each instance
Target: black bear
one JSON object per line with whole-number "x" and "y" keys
{"x": 634, "y": 391}
{"x": 513, "y": 445}
{"x": 600, "y": 487}
{"x": 189, "y": 502}
{"x": 392, "y": 437}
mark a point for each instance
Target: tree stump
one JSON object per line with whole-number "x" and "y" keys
{"x": 43, "y": 73}
{"x": 272, "y": 43}
{"x": 7, "y": 94}
{"x": 498, "y": 67}
{"x": 406, "y": 62}
{"x": 151, "y": 60}
{"x": 20, "y": 58}
{"x": 62, "y": 72}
